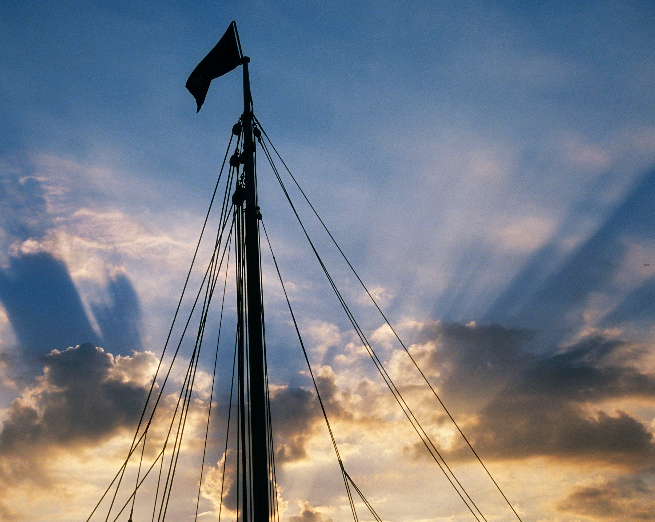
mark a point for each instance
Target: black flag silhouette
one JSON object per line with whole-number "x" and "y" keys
{"x": 220, "y": 60}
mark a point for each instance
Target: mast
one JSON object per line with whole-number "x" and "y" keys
{"x": 223, "y": 58}
{"x": 258, "y": 417}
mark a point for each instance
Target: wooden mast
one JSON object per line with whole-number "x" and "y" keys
{"x": 259, "y": 464}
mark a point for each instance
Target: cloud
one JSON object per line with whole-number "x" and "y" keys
{"x": 309, "y": 514}
{"x": 296, "y": 412}
{"x": 625, "y": 499}
{"x": 48, "y": 256}
{"x": 84, "y": 397}
{"x": 472, "y": 362}
{"x": 552, "y": 405}
{"x": 46, "y": 312}
{"x": 213, "y": 486}
{"x": 120, "y": 321}
{"x": 43, "y": 305}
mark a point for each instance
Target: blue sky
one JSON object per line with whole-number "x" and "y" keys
{"x": 488, "y": 167}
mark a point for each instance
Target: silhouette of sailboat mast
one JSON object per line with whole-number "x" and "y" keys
{"x": 256, "y": 478}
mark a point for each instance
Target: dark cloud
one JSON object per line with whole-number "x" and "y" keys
{"x": 120, "y": 322}
{"x": 295, "y": 412}
{"x": 514, "y": 427}
{"x": 627, "y": 499}
{"x": 43, "y": 305}
{"x": 79, "y": 401}
{"x": 548, "y": 405}
{"x": 474, "y": 362}
{"x": 586, "y": 372}
{"x": 46, "y": 312}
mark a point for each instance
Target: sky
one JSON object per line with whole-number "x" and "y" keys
{"x": 487, "y": 167}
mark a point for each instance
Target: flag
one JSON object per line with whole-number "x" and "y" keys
{"x": 220, "y": 60}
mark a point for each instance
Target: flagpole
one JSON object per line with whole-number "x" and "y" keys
{"x": 258, "y": 417}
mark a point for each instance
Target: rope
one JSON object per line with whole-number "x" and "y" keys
{"x": 154, "y": 380}
{"x": 211, "y": 395}
{"x": 227, "y": 431}
{"x": 344, "y": 474}
{"x": 380, "y": 367}
{"x": 390, "y": 326}
{"x": 213, "y": 270}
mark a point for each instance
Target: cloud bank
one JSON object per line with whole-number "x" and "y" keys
{"x": 565, "y": 405}
{"x": 84, "y": 397}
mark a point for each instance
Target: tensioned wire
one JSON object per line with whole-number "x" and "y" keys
{"x": 479, "y": 459}
{"x": 244, "y": 472}
{"x": 211, "y": 395}
{"x": 434, "y": 452}
{"x": 212, "y": 281}
{"x": 201, "y": 329}
{"x": 346, "y": 478}
{"x": 184, "y": 394}
{"x": 227, "y": 431}
{"x": 213, "y": 270}
{"x": 137, "y": 440}
{"x": 211, "y": 284}
{"x": 274, "y": 512}
{"x": 187, "y": 394}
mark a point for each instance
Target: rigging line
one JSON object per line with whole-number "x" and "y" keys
{"x": 249, "y": 447}
{"x": 161, "y": 467}
{"x": 138, "y": 474}
{"x": 274, "y": 512}
{"x": 227, "y": 431}
{"x": 242, "y": 479}
{"x": 272, "y": 489}
{"x": 180, "y": 342}
{"x": 367, "y": 345}
{"x": 311, "y": 373}
{"x": 177, "y": 443}
{"x": 211, "y": 395}
{"x": 211, "y": 285}
{"x": 185, "y": 412}
{"x": 193, "y": 366}
{"x": 248, "y": 471}
{"x": 202, "y": 284}
{"x": 390, "y": 326}
{"x": 271, "y": 449}
{"x": 241, "y": 447}
{"x": 212, "y": 263}
{"x": 378, "y": 363}
{"x": 274, "y": 506}
{"x": 189, "y": 381}
{"x": 120, "y": 470}
{"x": 168, "y": 434}
{"x": 145, "y": 475}
{"x": 194, "y": 257}
{"x": 361, "y": 495}
{"x": 183, "y": 395}
{"x": 154, "y": 380}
